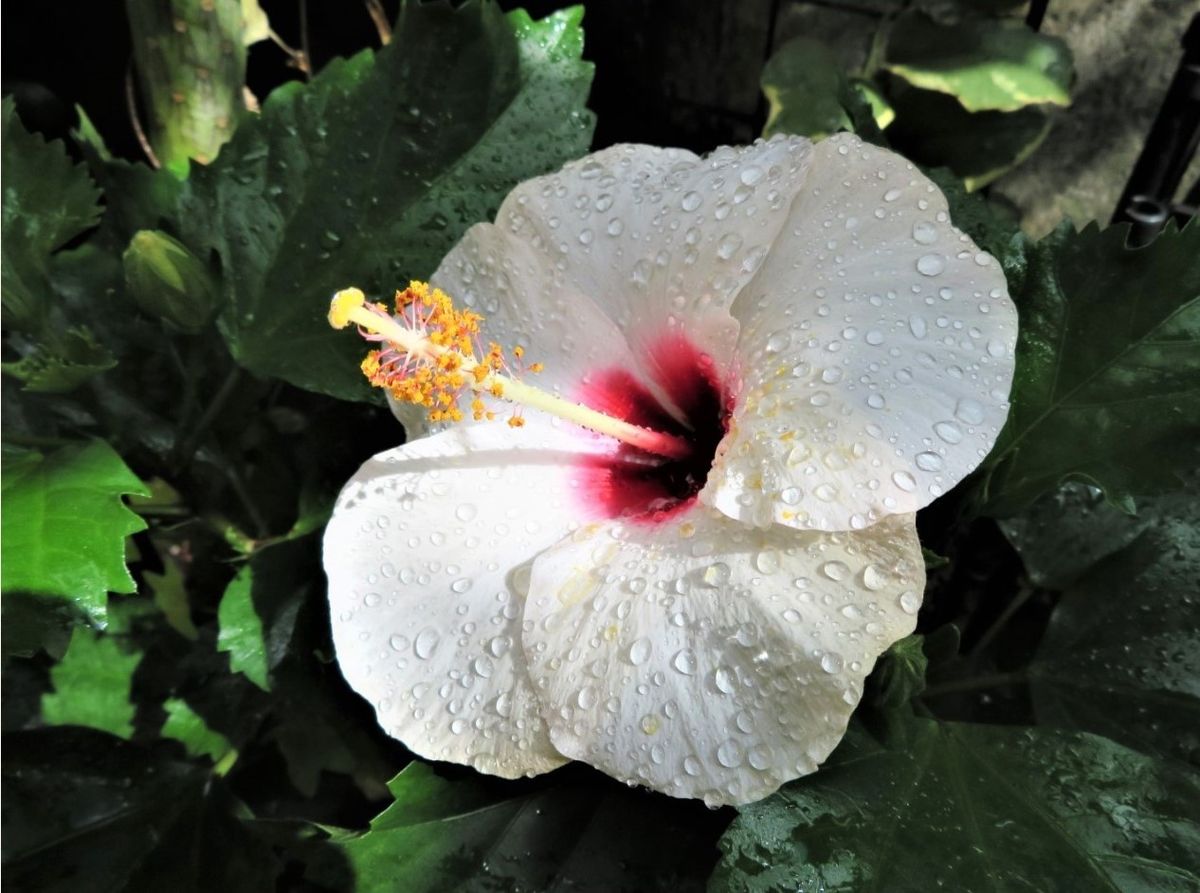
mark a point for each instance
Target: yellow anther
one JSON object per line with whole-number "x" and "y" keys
{"x": 428, "y": 357}
{"x": 344, "y": 303}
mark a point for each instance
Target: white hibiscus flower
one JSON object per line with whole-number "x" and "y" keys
{"x": 834, "y": 353}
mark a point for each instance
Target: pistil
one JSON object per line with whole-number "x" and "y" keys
{"x": 425, "y": 362}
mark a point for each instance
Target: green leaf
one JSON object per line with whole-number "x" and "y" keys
{"x": 900, "y": 676}
{"x": 92, "y": 684}
{"x": 371, "y": 172}
{"x": 187, "y": 726}
{"x": 1065, "y": 533}
{"x": 1121, "y": 655}
{"x": 979, "y": 147}
{"x": 85, "y": 810}
{"x": 64, "y": 524}
{"x": 475, "y": 833}
{"x": 986, "y": 64}
{"x": 971, "y": 808}
{"x": 804, "y": 84}
{"x": 48, "y": 200}
{"x": 62, "y": 363}
{"x": 1107, "y": 386}
{"x": 241, "y": 630}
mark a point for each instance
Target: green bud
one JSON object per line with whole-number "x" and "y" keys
{"x": 168, "y": 281}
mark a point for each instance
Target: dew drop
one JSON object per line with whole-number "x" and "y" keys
{"x": 426, "y": 643}
{"x": 691, "y": 201}
{"x": 728, "y": 246}
{"x": 873, "y": 578}
{"x": 969, "y": 411}
{"x": 929, "y": 462}
{"x": 949, "y": 432}
{"x": 904, "y": 481}
{"x": 832, "y": 662}
{"x": 685, "y": 662}
{"x": 924, "y": 233}
{"x": 717, "y": 575}
{"x": 639, "y": 651}
{"x": 835, "y": 570}
{"x": 729, "y": 754}
{"x": 909, "y": 602}
{"x": 931, "y": 264}
{"x": 466, "y": 512}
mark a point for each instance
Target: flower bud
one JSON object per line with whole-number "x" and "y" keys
{"x": 168, "y": 281}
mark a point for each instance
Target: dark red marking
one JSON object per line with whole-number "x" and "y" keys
{"x": 631, "y": 483}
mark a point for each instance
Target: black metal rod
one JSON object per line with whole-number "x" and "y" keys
{"x": 1172, "y": 140}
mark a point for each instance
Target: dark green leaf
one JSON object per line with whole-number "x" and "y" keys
{"x": 86, "y": 811}
{"x": 92, "y": 684}
{"x": 48, "y": 200}
{"x": 936, "y": 131}
{"x": 1107, "y": 387}
{"x": 971, "y": 808}
{"x": 371, "y": 172}
{"x": 803, "y": 83}
{"x": 986, "y": 64}
{"x": 242, "y": 630}
{"x": 1121, "y": 656}
{"x": 900, "y": 675}
{"x": 64, "y": 524}
{"x": 1065, "y": 533}
{"x": 480, "y": 834}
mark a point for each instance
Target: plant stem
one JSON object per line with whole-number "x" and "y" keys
{"x": 1000, "y": 622}
{"x": 186, "y": 447}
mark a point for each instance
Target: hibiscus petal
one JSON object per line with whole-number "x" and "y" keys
{"x": 877, "y": 352}
{"x": 704, "y": 658}
{"x": 598, "y": 261}
{"x": 423, "y": 555}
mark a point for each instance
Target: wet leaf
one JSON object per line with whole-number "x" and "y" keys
{"x": 1108, "y": 355}
{"x": 1121, "y": 656}
{"x": 978, "y": 147}
{"x": 474, "y": 833}
{"x": 371, "y": 172}
{"x": 84, "y": 810}
{"x": 64, "y": 524}
{"x": 971, "y": 808}
{"x": 986, "y": 64}
{"x": 804, "y": 83}
{"x": 241, "y": 630}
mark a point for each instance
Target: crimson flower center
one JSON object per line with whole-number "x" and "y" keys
{"x": 633, "y": 484}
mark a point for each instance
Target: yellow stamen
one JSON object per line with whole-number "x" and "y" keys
{"x": 429, "y": 359}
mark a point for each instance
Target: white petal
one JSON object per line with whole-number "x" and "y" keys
{"x": 591, "y": 266}
{"x": 424, "y": 555}
{"x": 704, "y": 658}
{"x": 877, "y": 352}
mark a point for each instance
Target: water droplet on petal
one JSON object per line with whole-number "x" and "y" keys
{"x": 924, "y": 233}
{"x": 685, "y": 662}
{"x": 931, "y": 264}
{"x": 426, "y": 642}
{"x": 639, "y": 651}
{"x": 835, "y": 570}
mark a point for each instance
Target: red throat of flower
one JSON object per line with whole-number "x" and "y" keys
{"x": 651, "y": 489}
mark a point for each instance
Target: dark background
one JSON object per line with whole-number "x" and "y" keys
{"x": 670, "y": 72}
